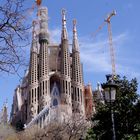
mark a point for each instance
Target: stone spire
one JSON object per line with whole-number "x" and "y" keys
{"x": 76, "y": 64}
{"x": 44, "y": 41}
{"x": 33, "y": 58}
{"x": 88, "y": 101}
{"x": 43, "y": 17}
{"x": 75, "y": 38}
{"x": 77, "y": 75}
{"x": 33, "y": 69}
{"x": 64, "y": 28}
{"x": 33, "y": 75}
{"x": 44, "y": 89}
{"x": 65, "y": 56}
{"x": 65, "y": 66}
{"x": 4, "y": 114}
{"x": 34, "y": 37}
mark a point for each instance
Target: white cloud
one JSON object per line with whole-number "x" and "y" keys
{"x": 95, "y": 55}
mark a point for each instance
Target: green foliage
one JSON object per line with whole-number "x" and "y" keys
{"x": 126, "y": 114}
{"x": 91, "y": 135}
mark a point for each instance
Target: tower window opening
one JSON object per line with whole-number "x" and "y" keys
{"x": 35, "y": 94}
{"x": 66, "y": 86}
{"x": 32, "y": 95}
{"x": 46, "y": 87}
{"x": 38, "y": 93}
{"x": 69, "y": 88}
{"x": 78, "y": 93}
{"x": 43, "y": 87}
{"x": 75, "y": 95}
{"x": 40, "y": 89}
{"x": 63, "y": 86}
{"x": 81, "y": 94}
{"x": 72, "y": 96}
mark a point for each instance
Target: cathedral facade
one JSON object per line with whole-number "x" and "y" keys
{"x": 53, "y": 87}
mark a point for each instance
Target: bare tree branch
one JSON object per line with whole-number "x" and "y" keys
{"x": 14, "y": 35}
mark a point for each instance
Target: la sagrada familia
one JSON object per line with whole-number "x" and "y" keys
{"x": 53, "y": 87}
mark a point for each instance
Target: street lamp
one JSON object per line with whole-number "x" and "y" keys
{"x": 110, "y": 89}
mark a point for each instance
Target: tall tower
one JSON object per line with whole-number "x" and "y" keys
{"x": 88, "y": 101}
{"x": 65, "y": 66}
{"x": 44, "y": 88}
{"x": 33, "y": 77}
{"x": 77, "y": 75}
{"x": 4, "y": 115}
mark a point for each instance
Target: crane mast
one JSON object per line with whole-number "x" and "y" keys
{"x": 112, "y": 53}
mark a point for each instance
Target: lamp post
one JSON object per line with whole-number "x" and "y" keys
{"x": 110, "y": 89}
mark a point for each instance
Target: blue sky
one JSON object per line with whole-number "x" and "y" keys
{"x": 94, "y": 50}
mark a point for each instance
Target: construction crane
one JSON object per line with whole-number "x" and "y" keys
{"x": 35, "y": 5}
{"x": 36, "y": 21}
{"x": 30, "y": 10}
{"x": 38, "y": 2}
{"x": 107, "y": 20}
{"x": 112, "y": 54}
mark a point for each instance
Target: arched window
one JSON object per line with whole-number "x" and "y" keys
{"x": 55, "y": 102}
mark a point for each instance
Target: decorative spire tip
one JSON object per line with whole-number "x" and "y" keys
{"x": 74, "y": 22}
{"x": 64, "y": 29}
{"x": 34, "y": 23}
{"x": 63, "y": 12}
{"x": 74, "y": 25}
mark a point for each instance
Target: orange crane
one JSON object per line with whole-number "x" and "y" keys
{"x": 112, "y": 54}
{"x": 38, "y": 2}
{"x": 35, "y": 5}
{"x": 30, "y": 10}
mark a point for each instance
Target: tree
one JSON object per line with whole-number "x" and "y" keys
{"x": 71, "y": 129}
{"x": 13, "y": 34}
{"x": 126, "y": 114}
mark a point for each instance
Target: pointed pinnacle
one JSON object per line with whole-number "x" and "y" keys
{"x": 74, "y": 29}
{"x": 64, "y": 28}
{"x": 33, "y": 31}
{"x": 74, "y": 25}
{"x": 63, "y": 12}
{"x": 63, "y": 17}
